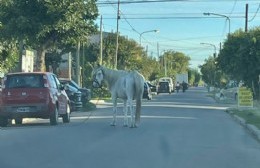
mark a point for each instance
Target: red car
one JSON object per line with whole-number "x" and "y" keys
{"x": 33, "y": 95}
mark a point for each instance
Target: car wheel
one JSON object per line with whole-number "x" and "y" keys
{"x": 66, "y": 117}
{"x": 3, "y": 122}
{"x": 18, "y": 120}
{"x": 54, "y": 117}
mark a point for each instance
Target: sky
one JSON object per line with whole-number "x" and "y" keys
{"x": 181, "y": 25}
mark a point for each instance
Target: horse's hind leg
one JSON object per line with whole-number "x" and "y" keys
{"x": 114, "y": 111}
{"x": 132, "y": 122}
{"x": 125, "y": 114}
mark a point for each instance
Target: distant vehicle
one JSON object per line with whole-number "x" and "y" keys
{"x": 147, "y": 92}
{"x": 152, "y": 87}
{"x": 182, "y": 78}
{"x": 231, "y": 90}
{"x": 163, "y": 87}
{"x": 33, "y": 95}
{"x": 170, "y": 81}
{"x": 86, "y": 93}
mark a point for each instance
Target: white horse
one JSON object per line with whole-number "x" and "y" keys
{"x": 127, "y": 85}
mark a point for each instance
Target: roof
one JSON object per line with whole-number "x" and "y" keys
{"x": 19, "y": 73}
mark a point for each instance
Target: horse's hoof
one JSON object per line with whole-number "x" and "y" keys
{"x": 125, "y": 125}
{"x": 133, "y": 126}
{"x": 113, "y": 124}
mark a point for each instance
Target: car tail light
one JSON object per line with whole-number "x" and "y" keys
{"x": 46, "y": 84}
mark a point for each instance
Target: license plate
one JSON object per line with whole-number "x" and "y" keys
{"x": 23, "y": 109}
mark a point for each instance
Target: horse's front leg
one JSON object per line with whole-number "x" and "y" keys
{"x": 125, "y": 114}
{"x": 114, "y": 111}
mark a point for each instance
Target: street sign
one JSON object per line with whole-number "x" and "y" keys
{"x": 245, "y": 97}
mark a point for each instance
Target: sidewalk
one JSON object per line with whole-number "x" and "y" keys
{"x": 233, "y": 109}
{"x": 251, "y": 128}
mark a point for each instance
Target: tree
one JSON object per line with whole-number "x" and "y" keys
{"x": 194, "y": 76}
{"x": 175, "y": 62}
{"x": 208, "y": 70}
{"x": 240, "y": 57}
{"x": 47, "y": 24}
{"x": 8, "y": 56}
{"x": 150, "y": 68}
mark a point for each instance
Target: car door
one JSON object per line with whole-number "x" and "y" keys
{"x": 61, "y": 95}
{"x": 56, "y": 93}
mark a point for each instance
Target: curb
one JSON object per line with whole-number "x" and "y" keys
{"x": 97, "y": 101}
{"x": 251, "y": 128}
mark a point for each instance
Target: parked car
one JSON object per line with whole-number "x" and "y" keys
{"x": 163, "y": 87}
{"x": 33, "y": 95}
{"x": 231, "y": 90}
{"x": 171, "y": 83}
{"x": 75, "y": 97}
{"x": 147, "y": 92}
{"x": 152, "y": 87}
{"x": 86, "y": 93}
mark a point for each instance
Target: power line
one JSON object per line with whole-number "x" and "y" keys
{"x": 137, "y": 1}
{"x": 254, "y": 14}
{"x": 159, "y": 1}
{"x": 171, "y": 17}
{"x": 234, "y": 5}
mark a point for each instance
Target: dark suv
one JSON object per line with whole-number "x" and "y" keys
{"x": 163, "y": 87}
{"x": 33, "y": 95}
{"x": 85, "y": 93}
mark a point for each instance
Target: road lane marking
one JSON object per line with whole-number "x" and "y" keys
{"x": 143, "y": 116}
{"x": 170, "y": 104}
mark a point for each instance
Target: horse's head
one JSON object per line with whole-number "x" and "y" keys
{"x": 97, "y": 76}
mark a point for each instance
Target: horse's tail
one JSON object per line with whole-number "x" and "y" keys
{"x": 139, "y": 89}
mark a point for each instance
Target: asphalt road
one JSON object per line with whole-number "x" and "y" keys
{"x": 184, "y": 130}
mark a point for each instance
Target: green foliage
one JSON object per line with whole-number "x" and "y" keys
{"x": 194, "y": 76}
{"x": 240, "y": 58}
{"x": 8, "y": 56}
{"x": 175, "y": 62}
{"x": 47, "y": 24}
{"x": 208, "y": 70}
{"x": 150, "y": 68}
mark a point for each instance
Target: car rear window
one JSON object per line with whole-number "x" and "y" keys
{"x": 24, "y": 81}
{"x": 163, "y": 83}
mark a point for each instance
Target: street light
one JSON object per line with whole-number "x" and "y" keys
{"x": 215, "y": 48}
{"x": 220, "y": 16}
{"x": 140, "y": 38}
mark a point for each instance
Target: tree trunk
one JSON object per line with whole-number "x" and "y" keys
{"x": 41, "y": 59}
{"x": 19, "y": 68}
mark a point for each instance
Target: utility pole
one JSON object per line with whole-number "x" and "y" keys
{"x": 83, "y": 64}
{"x": 101, "y": 42}
{"x": 158, "y": 51}
{"x": 78, "y": 65}
{"x": 165, "y": 64}
{"x": 246, "y": 20}
{"x": 117, "y": 34}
